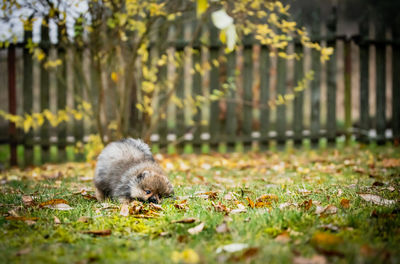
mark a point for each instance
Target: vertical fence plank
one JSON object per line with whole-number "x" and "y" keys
{"x": 78, "y": 86}
{"x": 197, "y": 90}
{"x": 315, "y": 124}
{"x": 28, "y": 97}
{"x": 44, "y": 94}
{"x": 12, "y": 103}
{"x": 265, "y": 64}
{"x": 61, "y": 76}
{"x": 347, "y": 89}
{"x": 231, "y": 120}
{"x": 247, "y": 92}
{"x": 180, "y": 90}
{"x": 281, "y": 108}
{"x": 298, "y": 102}
{"x": 331, "y": 75}
{"x": 380, "y": 81}
{"x": 364, "y": 81}
{"x": 396, "y": 82}
{"x": 214, "y": 124}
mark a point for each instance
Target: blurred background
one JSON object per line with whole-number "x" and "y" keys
{"x": 195, "y": 76}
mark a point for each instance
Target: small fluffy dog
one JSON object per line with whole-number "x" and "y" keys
{"x": 126, "y": 170}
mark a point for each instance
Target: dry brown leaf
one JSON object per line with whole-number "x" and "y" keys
{"x": 52, "y": 202}
{"x": 208, "y": 195}
{"x": 316, "y": 259}
{"x": 391, "y": 163}
{"x": 307, "y": 204}
{"x": 284, "y": 237}
{"x": 251, "y": 203}
{"x": 124, "y": 210}
{"x": 222, "y": 228}
{"x": 181, "y": 205}
{"x": 105, "y": 232}
{"x": 185, "y": 221}
{"x": 345, "y": 203}
{"x": 247, "y": 255}
{"x": 156, "y": 207}
{"x": 197, "y": 229}
{"x": 376, "y": 199}
{"x": 21, "y": 218}
{"x": 28, "y": 200}
{"x": 83, "y": 219}
{"x": 220, "y": 207}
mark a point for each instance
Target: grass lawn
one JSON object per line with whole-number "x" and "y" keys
{"x": 308, "y": 206}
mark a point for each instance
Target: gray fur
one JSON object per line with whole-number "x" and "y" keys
{"x": 126, "y": 168}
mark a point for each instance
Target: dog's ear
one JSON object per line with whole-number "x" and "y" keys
{"x": 142, "y": 175}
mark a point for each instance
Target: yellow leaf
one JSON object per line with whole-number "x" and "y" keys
{"x": 187, "y": 256}
{"x": 222, "y": 36}
{"x": 114, "y": 77}
{"x": 202, "y": 6}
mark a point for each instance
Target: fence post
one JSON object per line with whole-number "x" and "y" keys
{"x": 380, "y": 80}
{"x": 298, "y": 102}
{"x": 28, "y": 96}
{"x": 214, "y": 124}
{"x": 44, "y": 92}
{"x": 331, "y": 79}
{"x": 396, "y": 82}
{"x": 12, "y": 103}
{"x": 315, "y": 124}
{"x": 265, "y": 65}
{"x": 347, "y": 89}
{"x": 364, "y": 80}
{"x": 61, "y": 93}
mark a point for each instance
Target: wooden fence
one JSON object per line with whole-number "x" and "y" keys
{"x": 356, "y": 93}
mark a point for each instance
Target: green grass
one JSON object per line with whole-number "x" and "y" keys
{"x": 366, "y": 233}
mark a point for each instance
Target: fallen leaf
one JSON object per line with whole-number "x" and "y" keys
{"x": 304, "y": 191}
{"x": 246, "y": 256}
{"x": 307, "y": 204}
{"x": 207, "y": 195}
{"x": 182, "y": 205}
{"x": 345, "y": 203}
{"x": 188, "y": 256}
{"x": 28, "y": 200}
{"x": 21, "y": 218}
{"x": 286, "y": 205}
{"x": 327, "y": 210}
{"x": 83, "y": 219}
{"x": 105, "y": 232}
{"x": 391, "y": 163}
{"x": 325, "y": 239}
{"x": 185, "y": 221}
{"x": 220, "y": 207}
{"x": 330, "y": 227}
{"x": 251, "y": 203}
{"x": 124, "y": 210}
{"x": 230, "y": 248}
{"x": 284, "y": 237}
{"x": 23, "y": 251}
{"x": 156, "y": 207}
{"x": 56, "y": 220}
{"x": 197, "y": 229}
{"x": 316, "y": 259}
{"x": 376, "y": 199}
{"x": 57, "y": 204}
{"x": 222, "y": 228}
{"x": 229, "y": 196}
